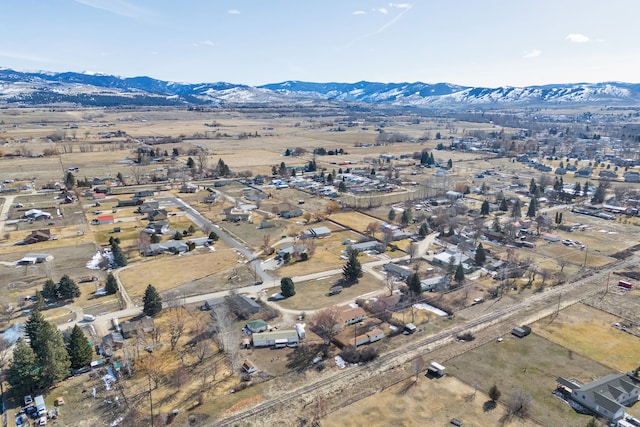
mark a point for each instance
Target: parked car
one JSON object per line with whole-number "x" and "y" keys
{"x": 28, "y": 400}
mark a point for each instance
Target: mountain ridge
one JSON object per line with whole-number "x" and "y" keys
{"x": 97, "y": 89}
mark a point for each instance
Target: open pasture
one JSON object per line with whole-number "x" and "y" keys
{"x": 530, "y": 364}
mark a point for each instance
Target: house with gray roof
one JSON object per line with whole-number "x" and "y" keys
{"x": 372, "y": 245}
{"x": 607, "y": 396}
{"x": 432, "y": 283}
{"x": 317, "y": 232}
{"x": 397, "y": 270}
{"x": 168, "y": 247}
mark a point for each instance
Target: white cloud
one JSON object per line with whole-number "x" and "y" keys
{"x": 359, "y": 12}
{"x": 401, "y": 5}
{"x": 533, "y": 54}
{"x": 384, "y": 27}
{"x": 117, "y": 7}
{"x": 204, "y": 43}
{"x": 577, "y": 38}
{"x": 233, "y": 12}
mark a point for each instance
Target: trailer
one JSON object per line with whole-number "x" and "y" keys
{"x": 625, "y": 284}
{"x": 436, "y": 369}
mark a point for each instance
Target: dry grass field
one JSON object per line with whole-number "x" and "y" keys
{"x": 590, "y": 332}
{"x": 423, "y": 403}
{"x": 311, "y": 295}
{"x": 168, "y": 272}
{"x": 531, "y": 364}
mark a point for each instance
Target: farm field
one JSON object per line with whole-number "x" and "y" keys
{"x": 169, "y": 272}
{"x": 431, "y": 402}
{"x": 531, "y": 364}
{"x": 310, "y": 295}
{"x": 591, "y": 333}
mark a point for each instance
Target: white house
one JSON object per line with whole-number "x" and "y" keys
{"x": 607, "y": 396}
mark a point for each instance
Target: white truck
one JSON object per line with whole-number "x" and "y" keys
{"x": 40, "y": 406}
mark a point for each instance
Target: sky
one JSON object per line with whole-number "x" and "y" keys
{"x": 488, "y": 43}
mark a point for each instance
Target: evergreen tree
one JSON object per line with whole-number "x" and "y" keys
{"x": 39, "y": 302}
{"x": 342, "y": 187}
{"x": 407, "y": 215}
{"x": 533, "y": 207}
{"x": 152, "y": 301}
{"x": 585, "y": 189}
{"x": 533, "y": 188}
{"x": 79, "y": 349}
{"x": 503, "y": 205}
{"x": 451, "y": 267}
{"x": 576, "y": 189}
{"x": 38, "y": 330}
{"x": 449, "y": 164}
{"x": 287, "y": 288}
{"x": 70, "y": 180}
{"x": 213, "y": 236}
{"x": 23, "y": 369}
{"x": 111, "y": 286}
{"x": 481, "y": 255}
{"x": 484, "y": 209}
{"x": 423, "y": 230}
{"x": 352, "y": 270}
{"x": 177, "y": 236}
{"x": 413, "y": 282}
{"x": 54, "y": 360}
{"x": 494, "y": 393}
{"x": 191, "y": 164}
{"x": 424, "y": 157}
{"x": 459, "y": 274}
{"x": 598, "y": 196}
{"x": 191, "y": 229}
{"x": 154, "y": 238}
{"x": 392, "y": 215}
{"x": 67, "y": 288}
{"x": 50, "y": 289}
{"x": 119, "y": 257}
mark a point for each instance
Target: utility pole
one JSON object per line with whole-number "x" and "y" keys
{"x": 150, "y": 402}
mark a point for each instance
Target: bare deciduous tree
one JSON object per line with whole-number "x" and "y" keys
{"x": 519, "y": 403}
{"x": 136, "y": 172}
{"x": 327, "y": 323}
{"x": 177, "y": 322}
{"x": 225, "y": 335}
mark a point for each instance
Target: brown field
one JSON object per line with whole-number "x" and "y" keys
{"x": 167, "y": 272}
{"x": 326, "y": 257}
{"x": 426, "y": 402}
{"x": 590, "y": 332}
{"x": 354, "y": 220}
{"x": 311, "y": 295}
{"x": 531, "y": 364}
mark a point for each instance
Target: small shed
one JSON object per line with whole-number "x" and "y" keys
{"x": 521, "y": 331}
{"x": 249, "y": 367}
{"x": 257, "y": 325}
{"x": 410, "y": 328}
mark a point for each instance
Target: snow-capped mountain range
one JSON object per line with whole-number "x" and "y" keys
{"x": 34, "y": 88}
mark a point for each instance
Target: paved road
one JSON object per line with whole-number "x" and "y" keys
{"x": 205, "y": 224}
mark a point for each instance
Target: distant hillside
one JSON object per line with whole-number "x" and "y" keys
{"x": 39, "y": 88}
